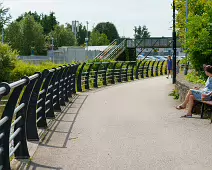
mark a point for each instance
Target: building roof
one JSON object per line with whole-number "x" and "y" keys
{"x": 99, "y": 48}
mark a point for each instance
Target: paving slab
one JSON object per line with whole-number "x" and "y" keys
{"x": 132, "y": 126}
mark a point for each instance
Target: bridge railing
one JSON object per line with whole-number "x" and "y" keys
{"x": 93, "y": 75}
{"x": 28, "y": 104}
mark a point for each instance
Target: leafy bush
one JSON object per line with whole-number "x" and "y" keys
{"x": 198, "y": 39}
{"x": 196, "y": 78}
{"x": 8, "y": 59}
{"x": 27, "y": 69}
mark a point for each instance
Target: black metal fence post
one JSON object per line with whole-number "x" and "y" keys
{"x": 152, "y": 68}
{"x": 138, "y": 70}
{"x": 56, "y": 95}
{"x": 41, "y": 114}
{"x": 73, "y": 79}
{"x": 166, "y": 68}
{"x": 96, "y": 75}
{"x": 69, "y": 81}
{"x": 161, "y": 68}
{"x": 113, "y": 72}
{"x": 126, "y": 73}
{"x": 120, "y": 72}
{"x": 79, "y": 78}
{"x": 147, "y": 69}
{"x": 31, "y": 120}
{"x": 87, "y": 78}
{"x": 22, "y": 151}
{"x": 50, "y": 96}
{"x": 132, "y": 73}
{"x": 65, "y": 82}
{"x": 142, "y": 71}
{"x": 156, "y": 71}
{"x": 61, "y": 86}
{"x": 105, "y": 73}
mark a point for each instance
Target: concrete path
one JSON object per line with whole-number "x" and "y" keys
{"x": 131, "y": 126}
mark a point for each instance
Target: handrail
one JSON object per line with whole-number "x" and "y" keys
{"x": 110, "y": 46}
{"x": 32, "y": 100}
{"x": 113, "y": 53}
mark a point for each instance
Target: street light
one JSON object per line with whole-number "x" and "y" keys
{"x": 53, "y": 49}
{"x": 186, "y": 55}
{"x": 75, "y": 27}
{"x": 86, "y": 40}
{"x": 174, "y": 44}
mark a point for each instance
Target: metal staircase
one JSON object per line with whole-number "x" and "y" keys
{"x": 110, "y": 48}
{"x": 116, "y": 52}
{"x": 113, "y": 50}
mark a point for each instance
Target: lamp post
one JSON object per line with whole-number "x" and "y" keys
{"x": 75, "y": 27}
{"x": 186, "y": 55}
{"x": 53, "y": 49}
{"x": 86, "y": 40}
{"x": 174, "y": 44}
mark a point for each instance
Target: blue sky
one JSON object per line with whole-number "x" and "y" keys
{"x": 155, "y": 14}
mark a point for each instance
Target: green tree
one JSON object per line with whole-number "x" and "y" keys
{"x": 63, "y": 36}
{"x": 198, "y": 40}
{"x": 5, "y": 17}
{"x": 81, "y": 35}
{"x": 141, "y": 32}
{"x": 48, "y": 22}
{"x": 8, "y": 59}
{"x": 98, "y": 39}
{"x": 35, "y": 15}
{"x": 108, "y": 29}
{"x": 25, "y": 35}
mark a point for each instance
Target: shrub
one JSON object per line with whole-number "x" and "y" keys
{"x": 27, "y": 69}
{"x": 196, "y": 78}
{"x": 8, "y": 59}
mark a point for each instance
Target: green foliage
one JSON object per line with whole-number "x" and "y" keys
{"x": 25, "y": 35}
{"x": 27, "y": 69}
{"x": 198, "y": 40}
{"x": 175, "y": 94}
{"x": 63, "y": 36}
{"x": 5, "y": 17}
{"x": 183, "y": 61}
{"x": 7, "y": 61}
{"x": 141, "y": 32}
{"x": 48, "y": 22}
{"x": 196, "y": 78}
{"x": 98, "y": 39}
{"x": 82, "y": 34}
{"x": 108, "y": 29}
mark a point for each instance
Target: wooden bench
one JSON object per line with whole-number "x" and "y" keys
{"x": 203, "y": 107}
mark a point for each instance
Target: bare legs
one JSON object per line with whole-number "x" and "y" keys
{"x": 189, "y": 100}
{"x": 169, "y": 73}
{"x": 184, "y": 104}
{"x": 190, "y": 105}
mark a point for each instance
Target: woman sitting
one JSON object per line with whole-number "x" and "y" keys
{"x": 197, "y": 94}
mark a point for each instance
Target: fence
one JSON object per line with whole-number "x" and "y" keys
{"x": 29, "y": 102}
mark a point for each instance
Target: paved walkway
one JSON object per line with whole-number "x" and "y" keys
{"x": 131, "y": 126}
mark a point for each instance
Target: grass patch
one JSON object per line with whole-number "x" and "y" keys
{"x": 175, "y": 94}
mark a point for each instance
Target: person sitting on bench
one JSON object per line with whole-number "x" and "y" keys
{"x": 197, "y": 94}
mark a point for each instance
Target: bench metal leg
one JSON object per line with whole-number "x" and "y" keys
{"x": 211, "y": 117}
{"x": 202, "y": 110}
